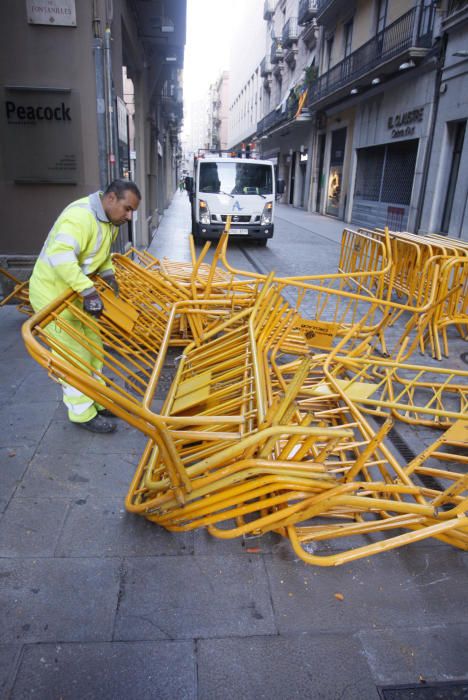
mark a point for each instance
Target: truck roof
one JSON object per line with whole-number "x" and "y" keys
{"x": 221, "y": 159}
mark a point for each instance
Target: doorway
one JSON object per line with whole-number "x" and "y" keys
{"x": 335, "y": 174}
{"x": 321, "y": 174}
{"x": 457, "y": 132}
{"x": 293, "y": 178}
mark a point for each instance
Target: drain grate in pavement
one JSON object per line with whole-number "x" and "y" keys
{"x": 455, "y": 690}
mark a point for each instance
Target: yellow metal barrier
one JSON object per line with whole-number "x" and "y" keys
{"x": 270, "y": 423}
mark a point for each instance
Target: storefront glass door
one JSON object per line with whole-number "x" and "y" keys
{"x": 335, "y": 175}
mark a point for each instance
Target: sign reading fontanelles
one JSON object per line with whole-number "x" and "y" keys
{"x": 40, "y": 135}
{"x": 58, "y": 13}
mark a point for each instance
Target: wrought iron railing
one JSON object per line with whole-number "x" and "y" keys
{"x": 390, "y": 42}
{"x": 290, "y": 32}
{"x": 270, "y": 120}
{"x": 307, "y": 11}
{"x": 456, "y": 6}
{"x": 278, "y": 116}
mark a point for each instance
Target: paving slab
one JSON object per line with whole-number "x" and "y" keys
{"x": 190, "y": 597}
{"x": 49, "y": 600}
{"x": 78, "y": 475}
{"x": 24, "y": 423}
{"x": 438, "y": 576}
{"x": 321, "y": 667}
{"x": 108, "y": 671}
{"x": 380, "y": 591}
{"x": 100, "y": 527}
{"x": 38, "y": 387}
{"x": 407, "y": 654}
{"x": 62, "y": 436}
{"x": 13, "y": 463}
{"x": 31, "y": 527}
{"x": 9, "y": 654}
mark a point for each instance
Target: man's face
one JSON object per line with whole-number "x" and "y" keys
{"x": 119, "y": 211}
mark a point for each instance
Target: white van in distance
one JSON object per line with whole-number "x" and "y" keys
{"x": 243, "y": 188}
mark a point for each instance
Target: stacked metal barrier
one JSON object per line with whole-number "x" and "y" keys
{"x": 285, "y": 393}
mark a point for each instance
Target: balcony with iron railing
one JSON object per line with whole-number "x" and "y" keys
{"x": 265, "y": 67}
{"x": 328, "y": 10}
{"x": 290, "y": 32}
{"x": 271, "y": 120}
{"x": 277, "y": 117}
{"x": 307, "y": 11}
{"x": 457, "y": 14}
{"x": 409, "y": 37}
{"x": 276, "y": 53}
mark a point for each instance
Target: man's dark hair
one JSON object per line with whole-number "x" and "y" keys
{"x": 119, "y": 187}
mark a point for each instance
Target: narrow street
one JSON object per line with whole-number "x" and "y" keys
{"x": 154, "y": 614}
{"x": 302, "y": 244}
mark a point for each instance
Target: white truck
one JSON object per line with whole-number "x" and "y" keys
{"x": 244, "y": 188}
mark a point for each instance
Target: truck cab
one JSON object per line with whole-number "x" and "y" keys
{"x": 224, "y": 185}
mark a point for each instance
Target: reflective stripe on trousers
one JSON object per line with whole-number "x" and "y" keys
{"x": 80, "y": 407}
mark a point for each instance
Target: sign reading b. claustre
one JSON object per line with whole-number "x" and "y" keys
{"x": 403, "y": 124}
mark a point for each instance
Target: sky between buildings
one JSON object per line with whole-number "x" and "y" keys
{"x": 211, "y": 26}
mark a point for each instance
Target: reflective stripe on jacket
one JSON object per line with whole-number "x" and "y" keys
{"x": 78, "y": 245}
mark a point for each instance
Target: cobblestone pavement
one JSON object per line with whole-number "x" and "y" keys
{"x": 97, "y": 603}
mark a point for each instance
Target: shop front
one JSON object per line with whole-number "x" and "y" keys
{"x": 389, "y": 143}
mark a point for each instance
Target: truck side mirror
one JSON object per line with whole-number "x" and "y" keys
{"x": 280, "y": 186}
{"x": 189, "y": 184}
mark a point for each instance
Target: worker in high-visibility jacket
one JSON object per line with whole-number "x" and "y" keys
{"x": 79, "y": 245}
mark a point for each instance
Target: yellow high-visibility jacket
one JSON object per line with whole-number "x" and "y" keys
{"x": 78, "y": 245}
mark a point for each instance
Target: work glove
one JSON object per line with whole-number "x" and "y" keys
{"x": 112, "y": 282}
{"x": 92, "y": 302}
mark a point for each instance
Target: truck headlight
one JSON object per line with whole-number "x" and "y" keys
{"x": 203, "y": 212}
{"x": 266, "y": 214}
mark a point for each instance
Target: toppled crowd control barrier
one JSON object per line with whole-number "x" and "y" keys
{"x": 285, "y": 394}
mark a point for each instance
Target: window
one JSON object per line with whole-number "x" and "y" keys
{"x": 328, "y": 52}
{"x": 236, "y": 178}
{"x": 399, "y": 172}
{"x": 369, "y": 172}
{"x": 457, "y": 134}
{"x": 381, "y": 17}
{"x": 386, "y": 173}
{"x": 348, "y": 37}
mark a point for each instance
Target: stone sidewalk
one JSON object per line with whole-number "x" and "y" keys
{"x": 97, "y": 603}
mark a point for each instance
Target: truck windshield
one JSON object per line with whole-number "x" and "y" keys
{"x": 236, "y": 178}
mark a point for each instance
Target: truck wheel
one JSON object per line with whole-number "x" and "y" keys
{"x": 262, "y": 242}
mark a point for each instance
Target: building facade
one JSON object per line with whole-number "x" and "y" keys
{"x": 93, "y": 94}
{"x": 218, "y": 113}
{"x": 445, "y": 197}
{"x": 361, "y": 109}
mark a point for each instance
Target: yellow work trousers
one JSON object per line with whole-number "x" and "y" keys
{"x": 84, "y": 350}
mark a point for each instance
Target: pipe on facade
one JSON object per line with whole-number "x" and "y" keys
{"x": 98, "y": 51}
{"x": 430, "y": 139}
{"x": 110, "y": 140}
{"x": 101, "y": 111}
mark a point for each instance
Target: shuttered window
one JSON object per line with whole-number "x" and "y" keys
{"x": 386, "y": 173}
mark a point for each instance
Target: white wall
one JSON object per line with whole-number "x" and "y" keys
{"x": 248, "y": 47}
